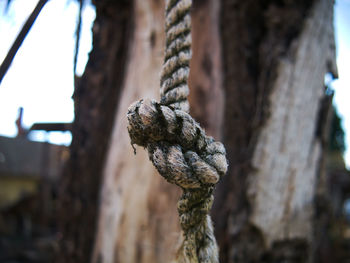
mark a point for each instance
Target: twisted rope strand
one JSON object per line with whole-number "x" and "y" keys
{"x": 174, "y": 89}
{"x": 177, "y": 146}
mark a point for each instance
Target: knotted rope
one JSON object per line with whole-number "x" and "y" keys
{"x": 177, "y": 145}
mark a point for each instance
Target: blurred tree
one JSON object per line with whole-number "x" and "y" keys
{"x": 256, "y": 84}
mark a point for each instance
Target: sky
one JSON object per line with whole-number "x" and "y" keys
{"x": 41, "y": 77}
{"x": 342, "y": 84}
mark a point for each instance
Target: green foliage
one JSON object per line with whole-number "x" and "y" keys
{"x": 336, "y": 135}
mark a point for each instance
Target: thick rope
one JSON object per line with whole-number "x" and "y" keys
{"x": 173, "y": 84}
{"x": 177, "y": 145}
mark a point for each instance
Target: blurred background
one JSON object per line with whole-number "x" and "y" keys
{"x": 66, "y": 168}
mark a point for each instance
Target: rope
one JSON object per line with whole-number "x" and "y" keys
{"x": 177, "y": 146}
{"x": 173, "y": 83}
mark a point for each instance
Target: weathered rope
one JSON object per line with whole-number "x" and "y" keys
{"x": 173, "y": 83}
{"x": 177, "y": 145}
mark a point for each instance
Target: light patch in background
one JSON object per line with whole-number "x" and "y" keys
{"x": 41, "y": 77}
{"x": 342, "y": 85}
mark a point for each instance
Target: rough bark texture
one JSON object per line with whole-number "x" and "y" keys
{"x": 264, "y": 206}
{"x": 138, "y": 217}
{"x": 289, "y": 199}
{"x": 96, "y": 97}
{"x": 206, "y": 93}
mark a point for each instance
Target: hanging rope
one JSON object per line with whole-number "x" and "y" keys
{"x": 173, "y": 84}
{"x": 177, "y": 145}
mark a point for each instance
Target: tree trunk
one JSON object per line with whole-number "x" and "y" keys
{"x": 256, "y": 82}
{"x": 96, "y": 98}
{"x": 284, "y": 51}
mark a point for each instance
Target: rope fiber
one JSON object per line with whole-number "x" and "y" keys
{"x": 177, "y": 146}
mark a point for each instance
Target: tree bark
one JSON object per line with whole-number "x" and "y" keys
{"x": 96, "y": 97}
{"x": 138, "y": 217}
{"x": 264, "y": 206}
{"x": 256, "y": 83}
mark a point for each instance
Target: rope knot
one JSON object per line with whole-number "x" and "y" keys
{"x": 176, "y": 144}
{"x": 185, "y": 156}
